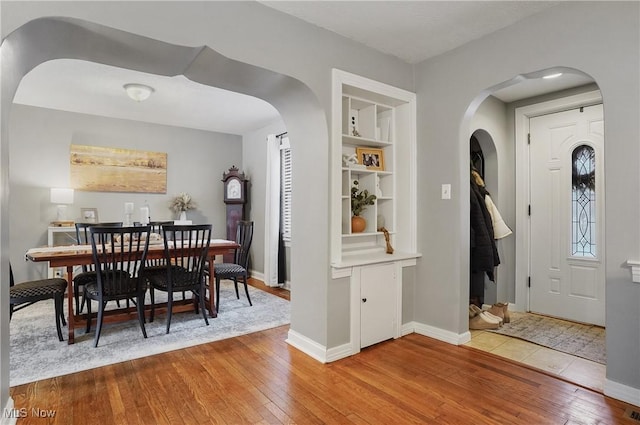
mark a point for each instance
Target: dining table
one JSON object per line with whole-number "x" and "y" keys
{"x": 71, "y": 256}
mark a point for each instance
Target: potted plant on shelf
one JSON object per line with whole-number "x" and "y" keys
{"x": 181, "y": 204}
{"x": 360, "y": 199}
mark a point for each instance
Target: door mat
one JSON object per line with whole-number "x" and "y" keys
{"x": 577, "y": 339}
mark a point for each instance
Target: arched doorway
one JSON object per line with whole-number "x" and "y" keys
{"x": 39, "y": 41}
{"x": 483, "y": 158}
{"x": 514, "y": 172}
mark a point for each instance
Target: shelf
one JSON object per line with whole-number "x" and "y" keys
{"x": 367, "y": 171}
{"x": 364, "y": 141}
{"x": 382, "y": 257}
{"x": 364, "y": 234}
{"x": 384, "y": 118}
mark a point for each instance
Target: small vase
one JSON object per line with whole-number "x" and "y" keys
{"x": 358, "y": 224}
{"x": 183, "y": 216}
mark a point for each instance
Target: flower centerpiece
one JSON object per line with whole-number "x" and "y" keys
{"x": 183, "y": 203}
{"x": 360, "y": 199}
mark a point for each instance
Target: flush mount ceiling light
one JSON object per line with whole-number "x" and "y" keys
{"x": 138, "y": 92}
{"x": 550, "y": 76}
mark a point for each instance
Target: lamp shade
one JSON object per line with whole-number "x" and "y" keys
{"x": 61, "y": 196}
{"x": 138, "y": 92}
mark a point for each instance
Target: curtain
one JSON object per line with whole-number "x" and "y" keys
{"x": 272, "y": 211}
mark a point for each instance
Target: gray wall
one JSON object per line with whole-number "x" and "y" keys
{"x": 195, "y": 163}
{"x": 268, "y": 55}
{"x": 599, "y": 38}
{"x": 590, "y": 37}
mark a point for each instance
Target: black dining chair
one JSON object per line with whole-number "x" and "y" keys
{"x": 88, "y": 273}
{"x": 185, "y": 249}
{"x": 119, "y": 255}
{"x": 237, "y": 269}
{"x": 24, "y": 294}
{"x": 156, "y": 265}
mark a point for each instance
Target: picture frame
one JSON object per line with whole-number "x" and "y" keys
{"x": 108, "y": 169}
{"x": 89, "y": 215}
{"x": 372, "y": 158}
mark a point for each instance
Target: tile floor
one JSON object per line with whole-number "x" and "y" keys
{"x": 574, "y": 369}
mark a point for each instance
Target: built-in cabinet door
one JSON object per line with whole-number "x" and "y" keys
{"x": 377, "y": 303}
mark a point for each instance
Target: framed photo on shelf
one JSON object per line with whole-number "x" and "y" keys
{"x": 89, "y": 215}
{"x": 372, "y": 158}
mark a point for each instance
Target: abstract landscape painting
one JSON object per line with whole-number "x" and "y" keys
{"x": 101, "y": 169}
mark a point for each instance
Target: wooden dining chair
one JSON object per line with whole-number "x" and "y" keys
{"x": 237, "y": 269}
{"x": 185, "y": 250}
{"x": 119, "y": 255}
{"x": 88, "y": 273}
{"x": 24, "y": 294}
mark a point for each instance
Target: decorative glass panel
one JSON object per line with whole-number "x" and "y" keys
{"x": 583, "y": 202}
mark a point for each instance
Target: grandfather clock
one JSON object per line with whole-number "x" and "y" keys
{"x": 235, "y": 196}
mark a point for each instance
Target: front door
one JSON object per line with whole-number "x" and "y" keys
{"x": 566, "y": 154}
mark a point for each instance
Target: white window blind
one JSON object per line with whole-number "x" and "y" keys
{"x": 286, "y": 181}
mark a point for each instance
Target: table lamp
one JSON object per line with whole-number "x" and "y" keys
{"x": 62, "y": 197}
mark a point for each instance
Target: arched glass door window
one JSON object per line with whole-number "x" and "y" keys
{"x": 583, "y": 202}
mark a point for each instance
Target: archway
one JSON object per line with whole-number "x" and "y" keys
{"x": 513, "y": 164}
{"x": 39, "y": 41}
{"x": 483, "y": 157}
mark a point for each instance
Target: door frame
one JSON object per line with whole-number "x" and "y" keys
{"x": 523, "y": 233}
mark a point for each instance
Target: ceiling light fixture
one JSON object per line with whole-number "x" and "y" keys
{"x": 550, "y": 76}
{"x": 138, "y": 92}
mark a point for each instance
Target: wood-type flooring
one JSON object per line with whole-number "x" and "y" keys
{"x": 260, "y": 379}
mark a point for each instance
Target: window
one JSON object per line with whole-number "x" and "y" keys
{"x": 285, "y": 188}
{"x": 583, "y": 202}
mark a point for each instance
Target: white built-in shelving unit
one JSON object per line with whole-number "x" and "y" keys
{"x": 370, "y": 115}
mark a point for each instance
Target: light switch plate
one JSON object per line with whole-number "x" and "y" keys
{"x": 446, "y": 191}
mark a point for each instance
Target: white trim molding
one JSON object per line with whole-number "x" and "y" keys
{"x": 441, "y": 334}
{"x": 260, "y": 276}
{"x": 339, "y": 352}
{"x": 318, "y": 351}
{"x": 622, "y": 392}
{"x": 307, "y": 346}
{"x": 635, "y": 270}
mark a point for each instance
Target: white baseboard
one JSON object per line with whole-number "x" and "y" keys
{"x": 260, "y": 276}
{"x": 437, "y": 333}
{"x": 622, "y": 392}
{"x": 318, "y": 351}
{"x": 9, "y": 415}
{"x": 307, "y": 346}
{"x": 340, "y": 352}
{"x": 256, "y": 275}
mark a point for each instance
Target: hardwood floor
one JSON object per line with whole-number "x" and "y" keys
{"x": 280, "y": 292}
{"x": 259, "y": 378}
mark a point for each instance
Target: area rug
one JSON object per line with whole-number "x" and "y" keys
{"x": 586, "y": 341}
{"x": 36, "y": 353}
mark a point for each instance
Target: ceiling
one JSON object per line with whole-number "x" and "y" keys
{"x": 96, "y": 89}
{"x": 413, "y": 31}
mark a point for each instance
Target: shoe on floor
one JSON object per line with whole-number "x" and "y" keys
{"x": 474, "y": 310}
{"x": 497, "y": 310}
{"x": 483, "y": 321}
{"x": 501, "y": 310}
